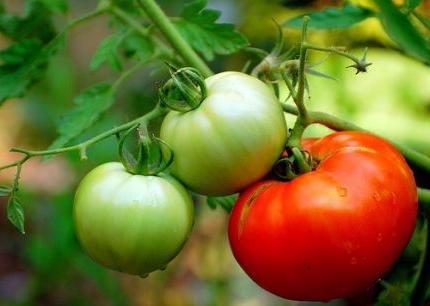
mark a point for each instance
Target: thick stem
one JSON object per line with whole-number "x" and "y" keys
{"x": 295, "y": 139}
{"x": 413, "y": 157}
{"x": 172, "y": 35}
{"x": 301, "y": 81}
{"x": 125, "y": 17}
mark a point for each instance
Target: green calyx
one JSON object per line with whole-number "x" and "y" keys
{"x": 184, "y": 91}
{"x": 149, "y": 159}
{"x": 295, "y": 163}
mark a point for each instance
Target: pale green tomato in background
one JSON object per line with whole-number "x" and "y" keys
{"x": 131, "y": 223}
{"x": 231, "y": 140}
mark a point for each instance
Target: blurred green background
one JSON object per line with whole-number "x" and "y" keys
{"x": 47, "y": 266}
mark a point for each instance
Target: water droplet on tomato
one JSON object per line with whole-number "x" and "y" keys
{"x": 144, "y": 275}
{"x": 377, "y": 196}
{"x": 342, "y": 191}
{"x": 353, "y": 261}
{"x": 379, "y": 237}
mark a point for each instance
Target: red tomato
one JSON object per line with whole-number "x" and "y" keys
{"x": 330, "y": 233}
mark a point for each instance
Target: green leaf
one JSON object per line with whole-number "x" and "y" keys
{"x": 36, "y": 23}
{"x": 15, "y": 213}
{"x": 333, "y": 18}
{"x": 198, "y": 26}
{"x": 57, "y": 5}
{"x": 18, "y": 53}
{"x": 5, "y": 191}
{"x": 226, "y": 202}
{"x": 16, "y": 79}
{"x": 411, "y": 4}
{"x": 107, "y": 52}
{"x": 400, "y": 29}
{"x": 90, "y": 104}
{"x": 138, "y": 47}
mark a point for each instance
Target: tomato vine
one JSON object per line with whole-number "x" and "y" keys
{"x": 173, "y": 47}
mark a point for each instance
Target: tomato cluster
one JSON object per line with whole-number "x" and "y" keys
{"x": 325, "y": 234}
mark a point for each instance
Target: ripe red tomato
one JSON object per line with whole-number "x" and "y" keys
{"x": 332, "y": 232}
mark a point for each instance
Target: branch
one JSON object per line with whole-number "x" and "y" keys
{"x": 82, "y": 147}
{"x": 172, "y": 35}
{"x": 413, "y": 157}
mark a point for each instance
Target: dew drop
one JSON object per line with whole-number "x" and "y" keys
{"x": 353, "y": 261}
{"x": 144, "y": 275}
{"x": 342, "y": 191}
{"x": 377, "y": 196}
{"x": 379, "y": 238}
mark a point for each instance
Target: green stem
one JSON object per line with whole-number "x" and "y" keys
{"x": 125, "y": 17}
{"x": 332, "y": 50}
{"x": 74, "y": 22}
{"x": 295, "y": 138}
{"x": 81, "y": 147}
{"x": 301, "y": 81}
{"x": 424, "y": 198}
{"x": 413, "y": 157}
{"x": 166, "y": 27}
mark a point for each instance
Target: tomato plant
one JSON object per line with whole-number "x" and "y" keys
{"x": 332, "y": 232}
{"x": 131, "y": 223}
{"x": 231, "y": 140}
{"x": 317, "y": 219}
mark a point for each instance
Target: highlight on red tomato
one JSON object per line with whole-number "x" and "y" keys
{"x": 330, "y": 233}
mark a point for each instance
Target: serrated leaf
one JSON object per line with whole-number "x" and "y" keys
{"x": 198, "y": 26}
{"x": 400, "y": 29}
{"x": 18, "y": 53}
{"x": 226, "y": 202}
{"x": 15, "y": 214}
{"x": 411, "y": 4}
{"x": 16, "y": 79}
{"x": 90, "y": 104}
{"x": 107, "y": 52}
{"x": 5, "y": 191}
{"x": 333, "y": 18}
{"x": 36, "y": 23}
{"x": 137, "y": 46}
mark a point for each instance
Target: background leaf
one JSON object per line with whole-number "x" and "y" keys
{"x": 57, "y": 5}
{"x": 16, "y": 79}
{"x": 5, "y": 191}
{"x": 107, "y": 52}
{"x": 401, "y": 30}
{"x": 89, "y": 105}
{"x": 138, "y": 47}
{"x": 15, "y": 213}
{"x": 198, "y": 26}
{"x": 411, "y": 4}
{"x": 225, "y": 203}
{"x": 333, "y": 18}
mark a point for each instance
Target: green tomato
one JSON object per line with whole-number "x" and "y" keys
{"x": 131, "y": 223}
{"x": 231, "y": 140}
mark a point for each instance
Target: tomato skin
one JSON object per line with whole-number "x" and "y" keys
{"x": 231, "y": 140}
{"x": 131, "y": 223}
{"x": 330, "y": 233}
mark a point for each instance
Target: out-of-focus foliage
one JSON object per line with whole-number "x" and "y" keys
{"x": 47, "y": 266}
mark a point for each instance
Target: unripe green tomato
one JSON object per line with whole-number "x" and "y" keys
{"x": 231, "y": 140}
{"x": 131, "y": 223}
